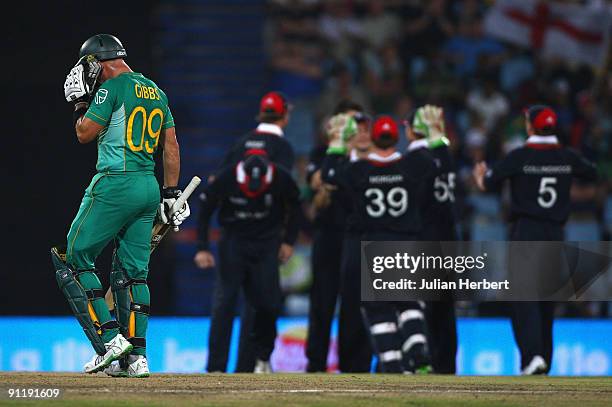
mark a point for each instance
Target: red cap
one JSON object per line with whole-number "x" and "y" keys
{"x": 385, "y": 125}
{"x": 542, "y": 117}
{"x": 273, "y": 102}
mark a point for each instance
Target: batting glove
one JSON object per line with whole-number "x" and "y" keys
{"x": 341, "y": 128}
{"x": 167, "y": 212}
{"x": 433, "y": 118}
{"x": 81, "y": 81}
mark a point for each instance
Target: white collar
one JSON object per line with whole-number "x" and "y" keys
{"x": 353, "y": 156}
{"x": 418, "y": 143}
{"x": 375, "y": 157}
{"x": 535, "y": 139}
{"x": 269, "y": 128}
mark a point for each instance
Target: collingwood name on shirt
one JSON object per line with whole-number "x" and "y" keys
{"x": 547, "y": 169}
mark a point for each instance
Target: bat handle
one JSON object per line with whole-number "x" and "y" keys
{"x": 178, "y": 204}
{"x": 193, "y": 184}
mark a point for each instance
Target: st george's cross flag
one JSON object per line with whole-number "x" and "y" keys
{"x": 573, "y": 32}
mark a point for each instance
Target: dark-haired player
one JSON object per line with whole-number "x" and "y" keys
{"x": 387, "y": 191}
{"x": 541, "y": 175}
{"x": 354, "y": 353}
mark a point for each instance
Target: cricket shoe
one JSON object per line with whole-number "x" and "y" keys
{"x": 423, "y": 369}
{"x": 117, "y": 369}
{"x": 115, "y": 349}
{"x": 536, "y": 366}
{"x": 138, "y": 366}
{"x": 262, "y": 366}
{"x": 130, "y": 366}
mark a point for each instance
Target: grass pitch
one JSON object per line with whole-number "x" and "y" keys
{"x": 311, "y": 390}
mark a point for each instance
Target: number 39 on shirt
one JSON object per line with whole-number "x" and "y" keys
{"x": 395, "y": 202}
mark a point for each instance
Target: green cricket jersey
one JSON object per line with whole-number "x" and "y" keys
{"x": 133, "y": 111}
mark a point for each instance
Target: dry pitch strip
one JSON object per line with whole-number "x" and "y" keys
{"x": 308, "y": 390}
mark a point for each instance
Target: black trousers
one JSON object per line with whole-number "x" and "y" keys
{"x": 250, "y": 265}
{"x": 440, "y": 315}
{"x": 354, "y": 350}
{"x": 221, "y": 327}
{"x": 325, "y": 264}
{"x": 532, "y": 322}
{"x": 246, "y": 352}
{"x": 442, "y": 335}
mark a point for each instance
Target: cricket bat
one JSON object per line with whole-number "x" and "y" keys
{"x": 160, "y": 229}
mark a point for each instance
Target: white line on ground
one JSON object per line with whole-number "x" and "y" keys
{"x": 329, "y": 391}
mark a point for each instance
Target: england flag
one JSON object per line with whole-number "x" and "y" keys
{"x": 570, "y": 31}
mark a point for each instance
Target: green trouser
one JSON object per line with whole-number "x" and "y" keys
{"x": 118, "y": 206}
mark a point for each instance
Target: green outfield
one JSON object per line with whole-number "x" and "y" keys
{"x": 311, "y": 390}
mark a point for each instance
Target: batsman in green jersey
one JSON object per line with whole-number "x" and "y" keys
{"x": 128, "y": 116}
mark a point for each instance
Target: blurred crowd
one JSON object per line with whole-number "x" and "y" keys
{"x": 393, "y": 55}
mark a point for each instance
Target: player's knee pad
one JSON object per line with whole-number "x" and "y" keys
{"x": 131, "y": 297}
{"x": 80, "y": 299}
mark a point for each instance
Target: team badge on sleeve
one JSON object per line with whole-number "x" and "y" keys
{"x": 100, "y": 96}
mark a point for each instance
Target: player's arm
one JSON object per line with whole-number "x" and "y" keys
{"x": 79, "y": 87}
{"x": 90, "y": 120}
{"x": 86, "y": 129}
{"x": 488, "y": 179}
{"x": 172, "y": 164}
{"x": 171, "y": 157}
{"x": 209, "y": 201}
{"x": 171, "y": 191}
{"x": 287, "y": 156}
{"x": 583, "y": 168}
{"x": 333, "y": 170}
{"x": 341, "y": 128}
{"x": 292, "y": 203}
{"x": 321, "y": 192}
{"x": 313, "y": 169}
{"x": 203, "y": 257}
{"x": 291, "y": 194}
